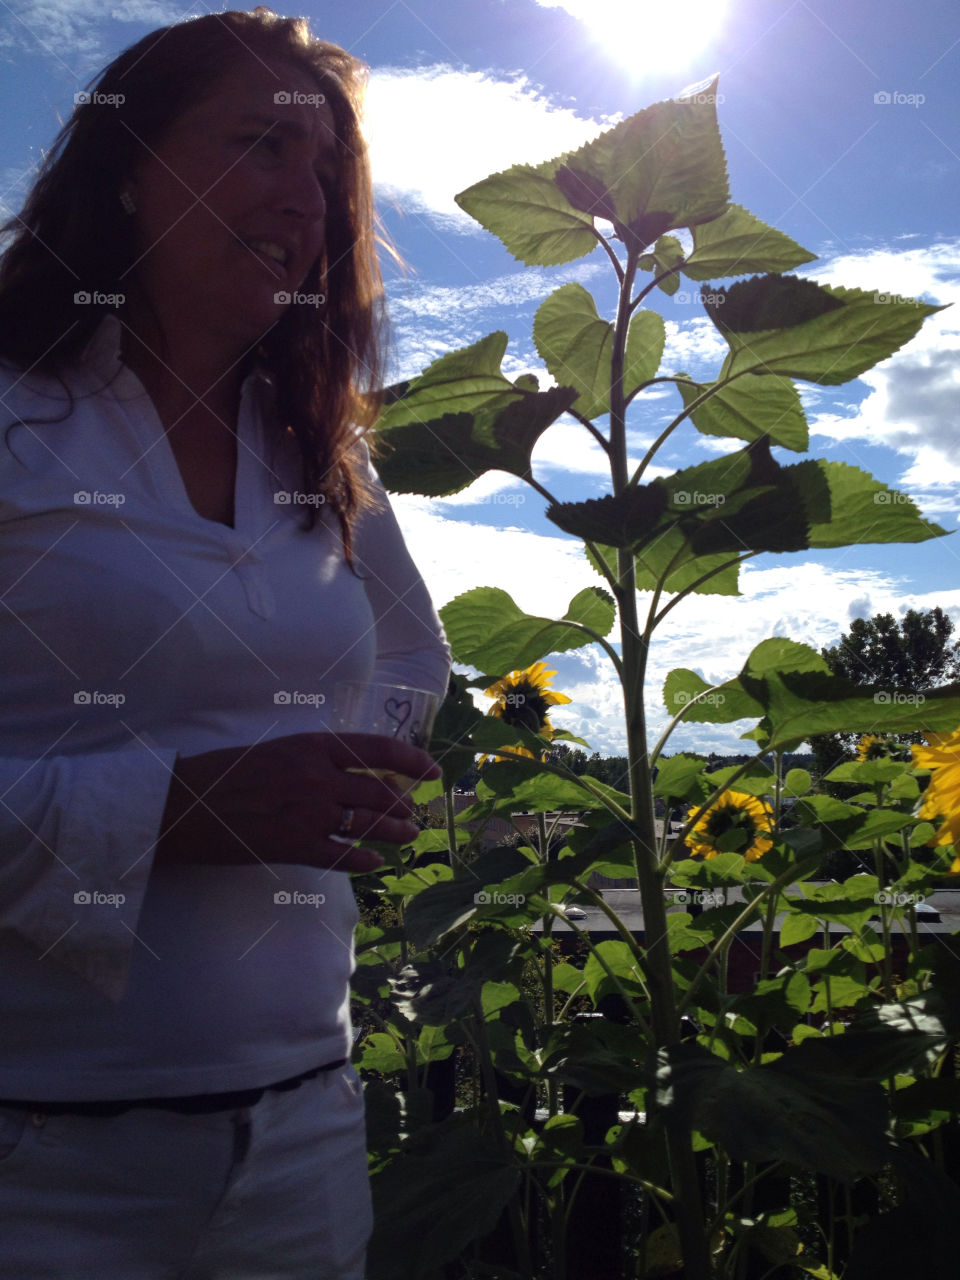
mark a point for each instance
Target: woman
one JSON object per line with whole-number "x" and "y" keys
{"x": 193, "y": 551}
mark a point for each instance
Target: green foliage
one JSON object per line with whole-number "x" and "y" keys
{"x": 834, "y": 1055}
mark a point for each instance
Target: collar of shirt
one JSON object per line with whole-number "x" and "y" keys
{"x": 102, "y": 354}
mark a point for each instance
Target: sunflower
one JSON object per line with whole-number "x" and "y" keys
{"x": 942, "y": 796}
{"x": 871, "y": 747}
{"x": 733, "y": 811}
{"x": 524, "y": 699}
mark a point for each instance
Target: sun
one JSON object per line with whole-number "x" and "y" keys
{"x": 632, "y": 32}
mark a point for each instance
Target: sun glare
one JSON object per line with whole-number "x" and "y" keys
{"x": 632, "y": 32}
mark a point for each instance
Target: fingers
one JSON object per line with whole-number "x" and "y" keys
{"x": 342, "y": 822}
{"x": 284, "y": 799}
{"x": 373, "y": 751}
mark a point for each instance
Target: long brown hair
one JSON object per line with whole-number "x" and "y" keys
{"x": 73, "y": 235}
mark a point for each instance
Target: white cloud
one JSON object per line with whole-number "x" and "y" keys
{"x": 913, "y": 400}
{"x": 434, "y": 131}
{"x": 440, "y": 302}
{"x": 692, "y": 344}
{"x": 75, "y": 34}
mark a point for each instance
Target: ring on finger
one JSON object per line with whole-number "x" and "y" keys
{"x": 346, "y": 821}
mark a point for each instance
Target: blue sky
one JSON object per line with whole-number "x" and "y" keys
{"x": 841, "y": 124}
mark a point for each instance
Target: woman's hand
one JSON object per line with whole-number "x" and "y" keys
{"x": 282, "y": 801}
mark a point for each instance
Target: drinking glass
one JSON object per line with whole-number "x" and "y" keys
{"x": 393, "y": 710}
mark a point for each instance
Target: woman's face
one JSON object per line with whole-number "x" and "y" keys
{"x": 230, "y": 205}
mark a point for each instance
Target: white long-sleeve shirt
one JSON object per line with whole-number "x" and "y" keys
{"x": 133, "y": 630}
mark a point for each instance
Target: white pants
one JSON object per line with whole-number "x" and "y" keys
{"x": 277, "y": 1191}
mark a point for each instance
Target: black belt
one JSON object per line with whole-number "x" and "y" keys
{"x": 196, "y": 1104}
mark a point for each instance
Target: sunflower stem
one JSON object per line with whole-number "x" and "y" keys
{"x": 665, "y": 1022}
{"x": 547, "y": 930}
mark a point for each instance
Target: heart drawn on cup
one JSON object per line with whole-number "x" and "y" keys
{"x": 398, "y": 712}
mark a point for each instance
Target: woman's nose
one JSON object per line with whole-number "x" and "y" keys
{"x": 303, "y": 195}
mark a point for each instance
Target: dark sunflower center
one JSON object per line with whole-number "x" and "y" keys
{"x": 731, "y": 821}
{"x": 524, "y": 705}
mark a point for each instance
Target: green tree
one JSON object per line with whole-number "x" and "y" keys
{"x": 574, "y": 760}
{"x": 905, "y": 657}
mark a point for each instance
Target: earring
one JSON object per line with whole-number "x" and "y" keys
{"x": 126, "y": 199}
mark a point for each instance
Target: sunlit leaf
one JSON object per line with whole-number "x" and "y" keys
{"x": 661, "y": 168}
{"x": 526, "y": 209}
{"x": 444, "y": 455}
{"x": 748, "y": 408}
{"x": 786, "y": 325}
{"x": 576, "y": 345}
{"x": 738, "y": 243}
{"x": 458, "y": 382}
{"x": 486, "y": 629}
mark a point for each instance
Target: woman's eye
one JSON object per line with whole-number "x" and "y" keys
{"x": 263, "y": 140}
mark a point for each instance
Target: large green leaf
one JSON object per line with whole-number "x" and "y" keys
{"x": 458, "y": 382}
{"x": 861, "y": 508}
{"x": 661, "y": 168}
{"x": 486, "y": 629}
{"x": 576, "y": 346}
{"x": 743, "y": 502}
{"x": 832, "y": 1124}
{"x": 737, "y": 243}
{"x": 446, "y": 454}
{"x": 627, "y": 519}
{"x": 443, "y": 906}
{"x": 684, "y": 690}
{"x": 541, "y": 792}
{"x": 672, "y": 560}
{"x": 749, "y": 408}
{"x": 433, "y": 1200}
{"x": 526, "y": 209}
{"x": 598, "y": 1059}
{"x": 678, "y": 777}
{"x": 826, "y": 334}
{"x": 882, "y": 1042}
{"x": 729, "y": 505}
{"x": 799, "y": 696}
